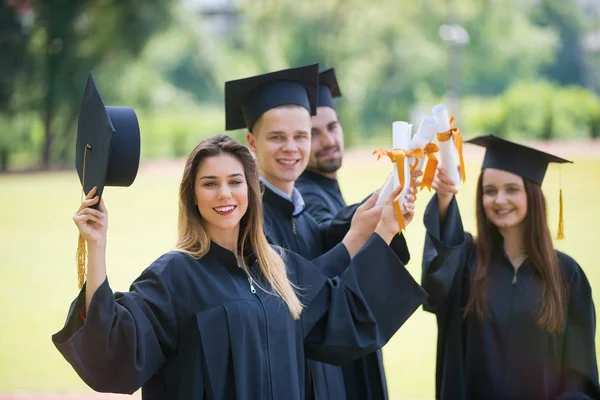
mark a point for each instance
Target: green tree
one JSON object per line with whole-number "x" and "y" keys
{"x": 567, "y": 20}
{"x": 15, "y": 34}
{"x": 70, "y": 38}
{"x": 390, "y": 56}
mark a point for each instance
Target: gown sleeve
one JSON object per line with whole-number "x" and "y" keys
{"x": 316, "y": 205}
{"x": 334, "y": 262}
{"x": 356, "y": 313}
{"x": 337, "y": 227}
{"x": 445, "y": 253}
{"x": 125, "y": 338}
{"x": 334, "y": 231}
{"x": 580, "y": 369}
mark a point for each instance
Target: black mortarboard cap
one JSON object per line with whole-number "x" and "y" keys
{"x": 527, "y": 162}
{"x": 249, "y": 98}
{"x": 107, "y": 151}
{"x": 328, "y": 88}
{"x": 524, "y": 161}
{"x": 108, "y": 142}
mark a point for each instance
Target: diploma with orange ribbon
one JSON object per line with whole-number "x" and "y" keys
{"x": 422, "y": 139}
{"x": 405, "y": 161}
{"x": 450, "y": 145}
{"x": 401, "y": 133}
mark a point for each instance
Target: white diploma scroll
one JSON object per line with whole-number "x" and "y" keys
{"x": 424, "y": 136}
{"x": 401, "y": 133}
{"x": 448, "y": 154}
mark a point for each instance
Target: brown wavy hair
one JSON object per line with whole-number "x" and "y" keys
{"x": 193, "y": 239}
{"x": 540, "y": 250}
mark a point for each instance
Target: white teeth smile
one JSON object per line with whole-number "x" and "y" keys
{"x": 503, "y": 212}
{"x": 224, "y": 209}
{"x": 286, "y": 162}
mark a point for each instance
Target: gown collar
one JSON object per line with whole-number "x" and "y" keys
{"x": 227, "y": 258}
{"x": 295, "y": 200}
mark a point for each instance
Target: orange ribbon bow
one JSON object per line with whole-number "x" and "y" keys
{"x": 397, "y": 156}
{"x": 432, "y": 163}
{"x": 458, "y": 143}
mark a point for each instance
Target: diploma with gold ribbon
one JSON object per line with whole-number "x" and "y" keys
{"x": 422, "y": 140}
{"x": 401, "y": 133}
{"x": 450, "y": 145}
{"x": 405, "y": 161}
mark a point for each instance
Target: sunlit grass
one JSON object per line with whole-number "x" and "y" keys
{"x": 38, "y": 278}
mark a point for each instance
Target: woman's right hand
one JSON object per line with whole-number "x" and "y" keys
{"x": 362, "y": 225}
{"x": 444, "y": 187}
{"x": 92, "y": 223}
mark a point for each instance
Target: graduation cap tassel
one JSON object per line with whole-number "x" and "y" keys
{"x": 81, "y": 259}
{"x": 81, "y": 255}
{"x": 561, "y": 223}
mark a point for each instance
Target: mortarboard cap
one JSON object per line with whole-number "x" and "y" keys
{"x": 107, "y": 149}
{"x": 328, "y": 88}
{"x": 524, "y": 161}
{"x": 249, "y": 98}
{"x": 527, "y": 162}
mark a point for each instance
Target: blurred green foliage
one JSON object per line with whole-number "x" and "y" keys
{"x": 534, "y": 110}
{"x": 525, "y": 71}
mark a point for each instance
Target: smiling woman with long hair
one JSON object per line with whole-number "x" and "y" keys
{"x": 516, "y": 318}
{"x": 225, "y": 315}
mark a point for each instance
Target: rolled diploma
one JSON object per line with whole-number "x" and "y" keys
{"x": 387, "y": 188}
{"x": 424, "y": 136}
{"x": 448, "y": 156}
{"x": 401, "y": 132}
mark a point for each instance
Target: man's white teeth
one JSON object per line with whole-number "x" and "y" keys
{"x": 287, "y": 162}
{"x": 224, "y": 209}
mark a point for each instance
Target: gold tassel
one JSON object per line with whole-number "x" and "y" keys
{"x": 561, "y": 223}
{"x": 81, "y": 255}
{"x": 81, "y": 261}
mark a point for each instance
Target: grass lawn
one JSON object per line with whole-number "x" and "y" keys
{"x": 38, "y": 276}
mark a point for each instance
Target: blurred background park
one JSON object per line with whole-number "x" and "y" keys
{"x": 528, "y": 70}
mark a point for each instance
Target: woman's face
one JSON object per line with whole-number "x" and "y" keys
{"x": 221, "y": 194}
{"x": 504, "y": 198}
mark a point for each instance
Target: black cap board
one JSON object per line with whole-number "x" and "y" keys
{"x": 248, "y": 98}
{"x": 107, "y": 149}
{"x": 328, "y": 88}
{"x": 524, "y": 161}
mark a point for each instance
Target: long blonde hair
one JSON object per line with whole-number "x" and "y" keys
{"x": 193, "y": 239}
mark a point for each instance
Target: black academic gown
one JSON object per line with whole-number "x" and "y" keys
{"x": 506, "y": 355}
{"x": 302, "y": 234}
{"x": 322, "y": 196}
{"x": 193, "y": 329}
{"x": 364, "y": 379}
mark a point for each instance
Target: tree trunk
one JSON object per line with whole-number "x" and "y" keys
{"x": 47, "y": 137}
{"x": 64, "y": 142}
{"x": 4, "y": 158}
{"x": 595, "y": 128}
{"x": 548, "y": 129}
{"x": 52, "y": 60}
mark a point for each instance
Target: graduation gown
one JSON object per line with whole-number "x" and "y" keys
{"x": 302, "y": 234}
{"x": 194, "y": 329}
{"x": 322, "y": 195}
{"x": 506, "y": 355}
{"x": 364, "y": 378}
